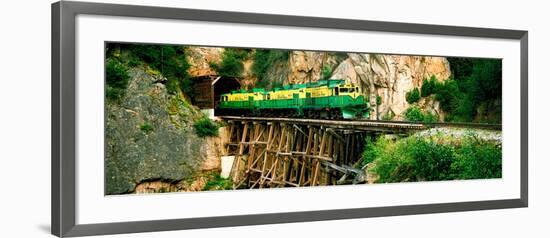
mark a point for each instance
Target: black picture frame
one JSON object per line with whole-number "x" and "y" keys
{"x": 64, "y": 107}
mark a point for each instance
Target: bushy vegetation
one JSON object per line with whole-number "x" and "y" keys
{"x": 116, "y": 78}
{"x": 326, "y": 72}
{"x": 205, "y": 127}
{"x": 455, "y": 102}
{"x": 232, "y": 62}
{"x": 216, "y": 182}
{"x": 264, "y": 59}
{"x": 146, "y": 128}
{"x": 370, "y": 151}
{"x": 429, "y": 86}
{"x": 168, "y": 60}
{"x": 474, "y": 83}
{"x": 388, "y": 116}
{"x": 430, "y": 117}
{"x": 413, "y": 96}
{"x": 432, "y": 159}
{"x": 476, "y": 159}
{"x": 448, "y": 94}
{"x": 414, "y": 113}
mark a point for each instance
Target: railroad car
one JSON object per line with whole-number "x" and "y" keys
{"x": 325, "y": 99}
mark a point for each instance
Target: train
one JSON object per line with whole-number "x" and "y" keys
{"x": 323, "y": 99}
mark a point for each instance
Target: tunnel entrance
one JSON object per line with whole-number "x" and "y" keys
{"x": 208, "y": 90}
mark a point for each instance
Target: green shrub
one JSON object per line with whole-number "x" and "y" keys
{"x": 370, "y": 150}
{"x": 172, "y": 86}
{"x": 431, "y": 161}
{"x": 232, "y": 63}
{"x": 429, "y": 86}
{"x": 427, "y": 159}
{"x": 216, "y": 182}
{"x": 388, "y": 116}
{"x": 465, "y": 109}
{"x": 378, "y": 100}
{"x": 133, "y": 62}
{"x": 413, "y": 96}
{"x": 425, "y": 90}
{"x": 146, "y": 128}
{"x": 478, "y": 160}
{"x": 460, "y": 67}
{"x": 448, "y": 94}
{"x": 414, "y": 113}
{"x": 116, "y": 78}
{"x": 430, "y": 117}
{"x": 326, "y": 72}
{"x": 206, "y": 127}
{"x": 392, "y": 163}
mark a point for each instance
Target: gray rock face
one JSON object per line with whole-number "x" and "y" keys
{"x": 149, "y": 135}
{"x": 307, "y": 66}
{"x": 390, "y": 77}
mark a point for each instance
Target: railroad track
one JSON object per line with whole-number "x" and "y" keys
{"x": 489, "y": 126}
{"x": 372, "y": 125}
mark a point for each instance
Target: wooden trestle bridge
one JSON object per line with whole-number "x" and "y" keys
{"x": 283, "y": 152}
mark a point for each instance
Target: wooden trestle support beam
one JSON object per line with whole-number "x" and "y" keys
{"x": 282, "y": 154}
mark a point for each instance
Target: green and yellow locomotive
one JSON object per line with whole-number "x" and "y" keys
{"x": 325, "y": 99}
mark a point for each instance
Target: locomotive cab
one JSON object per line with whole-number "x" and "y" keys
{"x": 347, "y": 89}
{"x": 351, "y": 101}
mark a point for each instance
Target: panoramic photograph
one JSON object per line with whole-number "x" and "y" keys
{"x": 182, "y": 118}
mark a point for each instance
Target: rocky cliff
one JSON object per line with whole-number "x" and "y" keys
{"x": 390, "y": 77}
{"x": 150, "y": 137}
{"x": 199, "y": 59}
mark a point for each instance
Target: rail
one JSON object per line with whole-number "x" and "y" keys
{"x": 370, "y": 125}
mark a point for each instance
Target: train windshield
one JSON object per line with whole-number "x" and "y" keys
{"x": 347, "y": 90}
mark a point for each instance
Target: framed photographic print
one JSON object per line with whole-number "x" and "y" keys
{"x": 167, "y": 118}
